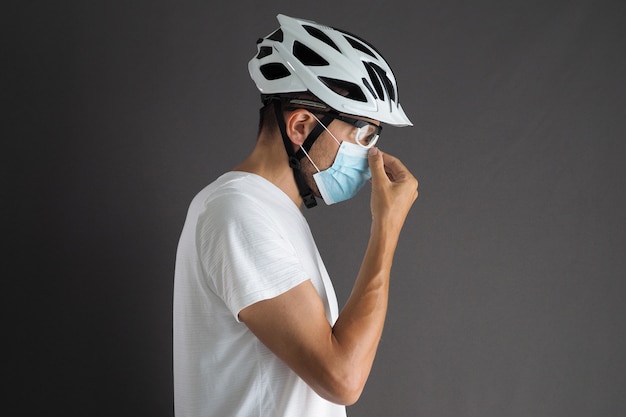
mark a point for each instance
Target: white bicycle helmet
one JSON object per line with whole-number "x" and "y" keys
{"x": 342, "y": 70}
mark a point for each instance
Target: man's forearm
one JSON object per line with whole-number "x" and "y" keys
{"x": 359, "y": 327}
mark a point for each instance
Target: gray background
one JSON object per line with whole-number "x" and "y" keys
{"x": 508, "y": 293}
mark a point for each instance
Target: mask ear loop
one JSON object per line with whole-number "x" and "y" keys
{"x": 310, "y": 160}
{"x": 315, "y": 133}
{"x": 329, "y": 132}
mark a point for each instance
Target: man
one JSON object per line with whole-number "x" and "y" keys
{"x": 256, "y": 324}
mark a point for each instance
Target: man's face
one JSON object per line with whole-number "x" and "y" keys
{"x": 325, "y": 148}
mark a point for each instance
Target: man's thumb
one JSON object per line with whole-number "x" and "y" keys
{"x": 375, "y": 157}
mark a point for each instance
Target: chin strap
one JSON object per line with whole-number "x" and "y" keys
{"x": 305, "y": 192}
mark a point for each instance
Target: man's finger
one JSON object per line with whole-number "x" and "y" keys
{"x": 395, "y": 169}
{"x": 377, "y": 166}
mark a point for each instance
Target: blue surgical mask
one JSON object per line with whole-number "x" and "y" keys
{"x": 346, "y": 176}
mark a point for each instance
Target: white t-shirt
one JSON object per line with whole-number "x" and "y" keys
{"x": 243, "y": 241}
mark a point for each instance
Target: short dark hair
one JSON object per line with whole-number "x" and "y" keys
{"x": 267, "y": 119}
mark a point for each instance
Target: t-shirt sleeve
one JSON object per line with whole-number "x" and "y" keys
{"x": 245, "y": 257}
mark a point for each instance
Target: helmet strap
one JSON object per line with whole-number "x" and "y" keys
{"x": 312, "y": 137}
{"x": 294, "y": 162}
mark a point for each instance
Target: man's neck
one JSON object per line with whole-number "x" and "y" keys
{"x": 269, "y": 160}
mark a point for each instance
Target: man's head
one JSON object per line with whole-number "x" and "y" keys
{"x": 329, "y": 81}
{"x": 332, "y": 150}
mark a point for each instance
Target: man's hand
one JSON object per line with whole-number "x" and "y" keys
{"x": 394, "y": 190}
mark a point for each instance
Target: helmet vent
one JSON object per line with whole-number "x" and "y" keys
{"x": 375, "y": 80}
{"x": 318, "y": 34}
{"x": 391, "y": 91}
{"x": 364, "y": 43}
{"x": 264, "y": 51}
{"x": 381, "y": 80}
{"x": 274, "y": 71}
{"x": 344, "y": 88}
{"x": 307, "y": 55}
{"x": 276, "y": 36}
{"x": 369, "y": 86}
{"x": 360, "y": 47}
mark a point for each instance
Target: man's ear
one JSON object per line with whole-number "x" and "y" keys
{"x": 299, "y": 123}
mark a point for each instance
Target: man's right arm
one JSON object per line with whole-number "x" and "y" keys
{"x": 336, "y": 361}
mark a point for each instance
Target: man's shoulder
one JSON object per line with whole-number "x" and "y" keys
{"x": 242, "y": 194}
{"x": 237, "y": 188}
